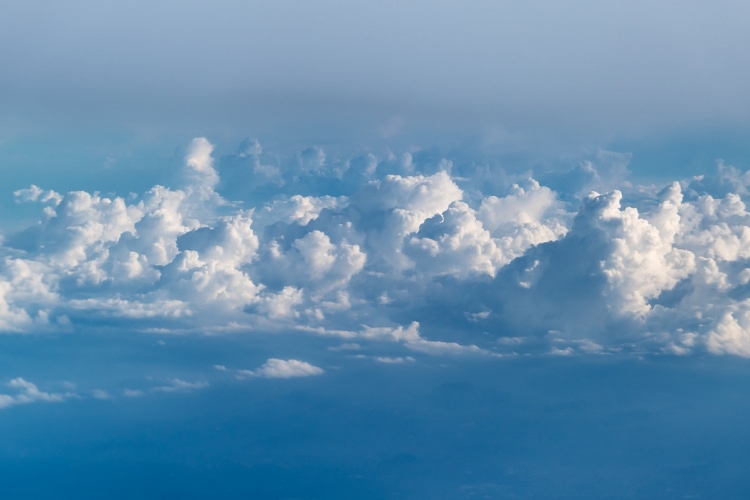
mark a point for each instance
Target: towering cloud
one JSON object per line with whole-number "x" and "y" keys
{"x": 398, "y": 243}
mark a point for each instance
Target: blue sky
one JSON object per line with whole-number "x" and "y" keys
{"x": 399, "y": 250}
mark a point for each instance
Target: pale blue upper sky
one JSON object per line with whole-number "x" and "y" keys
{"x": 579, "y": 69}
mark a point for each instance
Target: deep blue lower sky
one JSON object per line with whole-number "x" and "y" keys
{"x": 514, "y": 428}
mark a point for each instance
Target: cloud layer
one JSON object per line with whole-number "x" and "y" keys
{"x": 402, "y": 248}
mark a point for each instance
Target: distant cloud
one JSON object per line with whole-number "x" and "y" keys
{"x": 394, "y": 360}
{"x": 30, "y": 393}
{"x": 346, "y": 347}
{"x": 100, "y": 394}
{"x": 279, "y": 368}
{"x": 177, "y": 385}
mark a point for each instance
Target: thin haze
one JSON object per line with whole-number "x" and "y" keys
{"x": 604, "y": 67}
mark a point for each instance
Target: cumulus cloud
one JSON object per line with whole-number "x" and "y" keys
{"x": 280, "y": 368}
{"x": 402, "y": 248}
{"x": 731, "y": 334}
{"x": 35, "y": 193}
{"x": 200, "y": 166}
{"x": 461, "y": 241}
{"x": 643, "y": 260}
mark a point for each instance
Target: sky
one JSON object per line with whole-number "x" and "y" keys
{"x": 394, "y": 250}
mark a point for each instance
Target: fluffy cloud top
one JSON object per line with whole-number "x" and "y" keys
{"x": 378, "y": 249}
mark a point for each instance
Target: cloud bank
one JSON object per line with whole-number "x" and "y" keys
{"x": 407, "y": 249}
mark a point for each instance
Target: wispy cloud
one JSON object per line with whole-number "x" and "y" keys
{"x": 177, "y": 385}
{"x": 30, "y": 393}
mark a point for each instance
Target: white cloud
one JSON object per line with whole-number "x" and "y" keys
{"x": 30, "y": 393}
{"x": 455, "y": 243}
{"x": 731, "y": 335}
{"x": 394, "y": 360}
{"x": 409, "y": 337}
{"x": 568, "y": 351}
{"x": 404, "y": 203}
{"x": 200, "y": 162}
{"x": 366, "y": 246}
{"x": 282, "y": 305}
{"x": 297, "y": 208}
{"x": 435, "y": 347}
{"x": 35, "y": 193}
{"x": 100, "y": 394}
{"x": 346, "y": 347}
{"x": 280, "y": 368}
{"x": 644, "y": 260}
{"x": 393, "y": 334}
{"x": 177, "y": 385}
